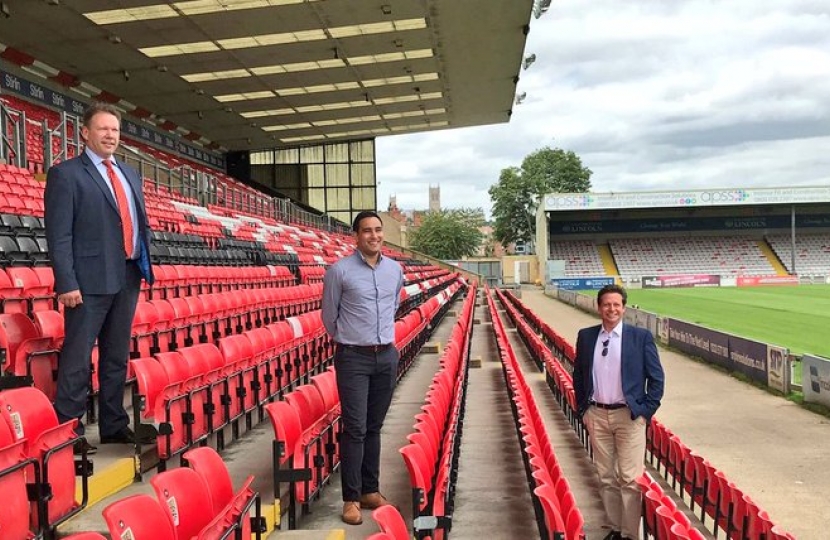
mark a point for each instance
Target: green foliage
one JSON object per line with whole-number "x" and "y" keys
{"x": 449, "y": 234}
{"x": 515, "y": 197}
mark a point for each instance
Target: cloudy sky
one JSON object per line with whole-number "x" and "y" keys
{"x": 652, "y": 95}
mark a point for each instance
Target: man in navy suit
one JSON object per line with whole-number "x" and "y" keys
{"x": 618, "y": 382}
{"x": 99, "y": 238}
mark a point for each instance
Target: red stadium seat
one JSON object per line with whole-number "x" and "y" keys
{"x": 288, "y": 432}
{"x": 554, "y": 522}
{"x": 14, "y": 512}
{"x": 31, "y": 415}
{"x": 210, "y": 466}
{"x": 391, "y": 522}
{"x": 185, "y": 497}
{"x": 138, "y": 517}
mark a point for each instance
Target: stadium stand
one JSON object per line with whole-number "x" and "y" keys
{"x": 735, "y": 255}
{"x": 557, "y": 513}
{"x": 432, "y": 455}
{"x": 582, "y": 258}
{"x": 812, "y": 252}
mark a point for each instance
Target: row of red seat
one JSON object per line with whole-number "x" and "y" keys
{"x": 306, "y": 442}
{"x": 195, "y": 391}
{"x": 196, "y": 501}
{"x": 30, "y": 346}
{"x": 661, "y": 517}
{"x": 557, "y": 511}
{"x": 183, "y": 279}
{"x": 25, "y": 289}
{"x": 37, "y": 466}
{"x": 432, "y": 452}
{"x": 731, "y": 510}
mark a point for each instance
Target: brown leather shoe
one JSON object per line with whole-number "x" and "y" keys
{"x": 373, "y": 500}
{"x": 351, "y": 513}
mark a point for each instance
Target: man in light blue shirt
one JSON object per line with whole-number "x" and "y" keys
{"x": 361, "y": 293}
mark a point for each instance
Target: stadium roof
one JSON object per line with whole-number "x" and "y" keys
{"x": 250, "y": 74}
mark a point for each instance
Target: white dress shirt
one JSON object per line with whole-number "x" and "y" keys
{"x": 607, "y": 371}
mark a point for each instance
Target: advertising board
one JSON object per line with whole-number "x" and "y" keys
{"x": 680, "y": 280}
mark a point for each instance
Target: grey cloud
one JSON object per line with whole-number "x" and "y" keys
{"x": 651, "y": 95}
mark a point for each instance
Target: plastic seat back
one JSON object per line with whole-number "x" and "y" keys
{"x": 287, "y": 427}
{"x": 209, "y": 465}
{"x": 14, "y": 512}
{"x": 58, "y": 470}
{"x": 184, "y": 496}
{"x": 420, "y": 471}
{"x": 309, "y": 403}
{"x": 151, "y": 379}
{"x": 139, "y": 517}
{"x": 391, "y": 522}
{"x": 550, "y": 507}
{"x": 28, "y": 411}
{"x": 15, "y": 328}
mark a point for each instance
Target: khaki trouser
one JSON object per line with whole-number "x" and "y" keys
{"x": 619, "y": 445}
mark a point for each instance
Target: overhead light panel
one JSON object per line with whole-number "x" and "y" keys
{"x": 307, "y": 66}
{"x": 244, "y": 96}
{"x": 176, "y": 9}
{"x": 285, "y": 38}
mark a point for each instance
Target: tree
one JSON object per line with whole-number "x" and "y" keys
{"x": 449, "y": 234}
{"x": 516, "y": 195}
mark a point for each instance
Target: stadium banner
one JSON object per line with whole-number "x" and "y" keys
{"x": 680, "y": 280}
{"x": 582, "y": 284}
{"x": 730, "y": 352}
{"x": 778, "y": 368}
{"x": 728, "y": 224}
{"x": 816, "y": 379}
{"x": 56, "y": 100}
{"x": 755, "y": 281}
{"x": 557, "y": 202}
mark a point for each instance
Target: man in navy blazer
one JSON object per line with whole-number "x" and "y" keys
{"x": 98, "y": 264}
{"x": 618, "y": 382}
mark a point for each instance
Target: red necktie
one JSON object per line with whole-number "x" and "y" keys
{"x": 123, "y": 208}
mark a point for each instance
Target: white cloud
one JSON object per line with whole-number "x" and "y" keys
{"x": 651, "y": 95}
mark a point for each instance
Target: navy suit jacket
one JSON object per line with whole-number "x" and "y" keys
{"x": 83, "y": 228}
{"x": 642, "y": 374}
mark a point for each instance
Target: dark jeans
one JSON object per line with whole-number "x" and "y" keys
{"x": 365, "y": 383}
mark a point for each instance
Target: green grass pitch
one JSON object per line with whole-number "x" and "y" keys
{"x": 796, "y": 317}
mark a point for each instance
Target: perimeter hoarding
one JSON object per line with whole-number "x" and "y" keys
{"x": 756, "y": 281}
{"x": 581, "y": 284}
{"x": 558, "y": 202}
{"x": 680, "y": 280}
{"x": 816, "y": 379}
{"x": 730, "y": 352}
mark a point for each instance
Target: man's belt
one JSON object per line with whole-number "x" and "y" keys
{"x": 609, "y": 406}
{"x": 366, "y": 349}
